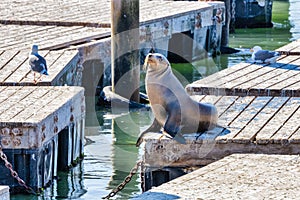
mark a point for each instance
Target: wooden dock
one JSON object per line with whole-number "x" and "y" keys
{"x": 279, "y": 79}
{"x": 258, "y": 109}
{"x": 35, "y": 123}
{"x": 239, "y": 176}
{"x": 292, "y": 48}
{"x": 56, "y": 25}
{"x": 247, "y": 125}
{"x": 64, "y": 67}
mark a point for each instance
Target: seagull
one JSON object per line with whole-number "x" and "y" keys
{"x": 263, "y": 56}
{"x": 37, "y": 63}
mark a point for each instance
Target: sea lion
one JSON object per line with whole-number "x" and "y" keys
{"x": 173, "y": 108}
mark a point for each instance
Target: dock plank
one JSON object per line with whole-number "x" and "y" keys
{"x": 229, "y": 115}
{"x": 261, "y": 80}
{"x": 239, "y": 176}
{"x": 39, "y": 113}
{"x": 13, "y": 65}
{"x": 17, "y": 71}
{"x": 23, "y": 73}
{"x": 52, "y": 27}
{"x": 6, "y": 57}
{"x": 260, "y": 120}
{"x": 244, "y": 118}
{"x": 274, "y": 130}
{"x": 290, "y": 49}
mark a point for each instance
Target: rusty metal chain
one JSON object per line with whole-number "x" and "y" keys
{"x": 128, "y": 178}
{"x": 14, "y": 174}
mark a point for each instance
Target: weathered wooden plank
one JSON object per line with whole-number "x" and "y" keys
{"x": 38, "y": 37}
{"x": 24, "y": 70}
{"x": 32, "y": 107}
{"x": 53, "y": 27}
{"x": 13, "y": 65}
{"x": 235, "y": 109}
{"x": 254, "y": 80}
{"x": 287, "y": 49}
{"x": 295, "y": 138}
{"x": 8, "y": 92}
{"x": 221, "y": 74}
{"x": 267, "y": 75}
{"x": 239, "y": 176}
{"x": 208, "y": 99}
{"x": 15, "y": 33}
{"x": 34, "y": 115}
{"x": 278, "y": 81}
{"x": 239, "y": 123}
{"x": 6, "y": 57}
{"x": 224, "y": 103}
{"x": 289, "y": 86}
{"x": 246, "y": 81}
{"x": 61, "y": 63}
{"x": 264, "y": 116}
{"x": 288, "y": 127}
{"x": 23, "y": 73}
{"x": 267, "y": 133}
{"x": 61, "y": 66}
{"x": 14, "y": 103}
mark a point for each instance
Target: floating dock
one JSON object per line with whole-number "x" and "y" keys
{"x": 247, "y": 124}
{"x": 85, "y": 26}
{"x": 278, "y": 79}
{"x": 258, "y": 109}
{"x": 64, "y": 68}
{"x": 74, "y": 37}
{"x": 35, "y": 124}
{"x": 239, "y": 176}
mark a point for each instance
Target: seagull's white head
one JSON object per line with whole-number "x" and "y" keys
{"x": 256, "y": 49}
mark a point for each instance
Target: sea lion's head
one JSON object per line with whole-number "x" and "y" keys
{"x": 155, "y": 62}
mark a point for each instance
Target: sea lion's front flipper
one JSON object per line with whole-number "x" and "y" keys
{"x": 172, "y": 125}
{"x": 155, "y": 127}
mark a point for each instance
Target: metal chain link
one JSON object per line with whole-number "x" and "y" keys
{"x": 128, "y": 178}
{"x": 233, "y": 10}
{"x": 14, "y": 174}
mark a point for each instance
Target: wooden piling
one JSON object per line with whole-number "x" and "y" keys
{"x": 125, "y": 67}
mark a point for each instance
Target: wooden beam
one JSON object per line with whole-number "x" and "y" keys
{"x": 125, "y": 48}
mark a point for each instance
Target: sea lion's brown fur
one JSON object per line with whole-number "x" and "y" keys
{"x": 173, "y": 108}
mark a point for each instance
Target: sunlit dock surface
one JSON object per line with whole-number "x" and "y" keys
{"x": 246, "y": 125}
{"x": 64, "y": 67}
{"x": 42, "y": 131}
{"x": 55, "y": 25}
{"x": 258, "y": 109}
{"x": 239, "y": 176}
{"x": 277, "y": 79}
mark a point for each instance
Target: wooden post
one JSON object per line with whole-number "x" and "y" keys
{"x": 225, "y": 29}
{"x": 125, "y": 64}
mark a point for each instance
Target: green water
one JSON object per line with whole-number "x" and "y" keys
{"x": 110, "y": 153}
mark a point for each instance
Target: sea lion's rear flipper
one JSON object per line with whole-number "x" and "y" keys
{"x": 155, "y": 127}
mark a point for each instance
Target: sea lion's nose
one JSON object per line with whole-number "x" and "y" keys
{"x": 150, "y": 55}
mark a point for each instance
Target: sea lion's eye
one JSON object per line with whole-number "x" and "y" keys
{"x": 160, "y": 58}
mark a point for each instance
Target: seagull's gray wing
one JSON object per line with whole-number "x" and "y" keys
{"x": 264, "y": 54}
{"x": 38, "y": 64}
